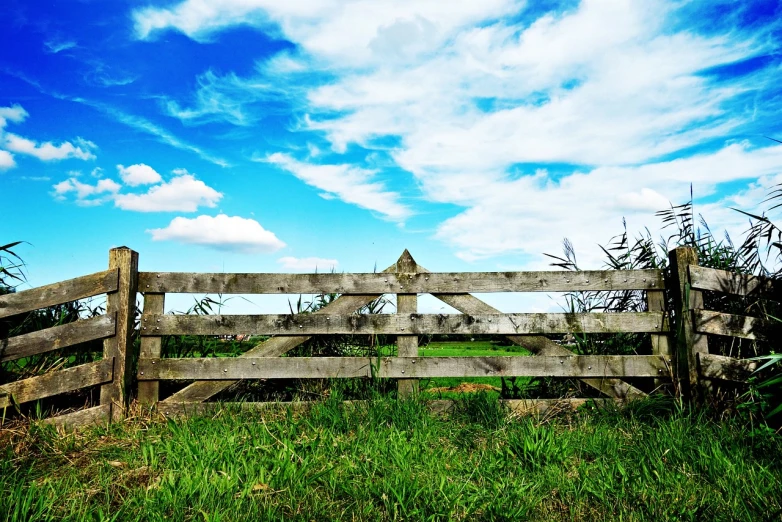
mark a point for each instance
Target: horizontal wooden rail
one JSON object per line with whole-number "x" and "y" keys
{"x": 394, "y": 324}
{"x": 57, "y": 337}
{"x": 402, "y": 367}
{"x": 96, "y": 415}
{"x": 726, "y": 368}
{"x": 380, "y": 283}
{"x": 59, "y": 293}
{"x": 56, "y": 382}
{"x": 704, "y": 278}
{"x": 718, "y": 323}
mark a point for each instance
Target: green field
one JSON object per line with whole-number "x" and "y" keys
{"x": 393, "y": 460}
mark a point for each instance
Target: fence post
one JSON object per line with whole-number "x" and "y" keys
{"x": 120, "y": 347}
{"x": 407, "y": 345}
{"x": 688, "y": 343}
{"x": 149, "y": 391}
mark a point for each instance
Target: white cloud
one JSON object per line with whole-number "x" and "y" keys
{"x": 350, "y": 184}
{"x": 48, "y": 151}
{"x": 6, "y": 160}
{"x": 538, "y": 125}
{"x": 182, "y": 194}
{"x": 85, "y": 192}
{"x": 307, "y": 264}
{"x": 139, "y": 174}
{"x": 221, "y": 232}
{"x": 14, "y": 113}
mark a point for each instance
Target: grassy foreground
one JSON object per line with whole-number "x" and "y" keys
{"x": 389, "y": 460}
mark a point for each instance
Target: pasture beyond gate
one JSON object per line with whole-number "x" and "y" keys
{"x": 679, "y": 360}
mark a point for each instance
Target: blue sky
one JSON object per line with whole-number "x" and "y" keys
{"x": 254, "y": 135}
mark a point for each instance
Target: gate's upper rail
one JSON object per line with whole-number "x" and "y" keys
{"x": 395, "y": 283}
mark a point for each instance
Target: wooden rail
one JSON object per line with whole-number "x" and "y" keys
{"x": 704, "y": 278}
{"x": 404, "y": 283}
{"x": 57, "y": 337}
{"x": 59, "y": 293}
{"x": 402, "y": 367}
{"x": 395, "y": 324}
{"x": 55, "y": 383}
{"x": 732, "y": 325}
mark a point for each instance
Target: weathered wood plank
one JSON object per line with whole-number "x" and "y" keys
{"x": 515, "y": 406}
{"x": 274, "y": 347}
{"x": 394, "y": 324}
{"x": 688, "y": 341}
{"x": 58, "y": 293}
{"x": 407, "y": 345}
{"x": 119, "y": 348}
{"x": 149, "y": 391}
{"x": 540, "y": 345}
{"x": 56, "y": 382}
{"x": 726, "y": 368}
{"x": 745, "y": 327}
{"x": 401, "y": 367}
{"x": 704, "y": 278}
{"x": 94, "y": 416}
{"x": 384, "y": 283}
{"x": 655, "y": 300}
{"x": 57, "y": 337}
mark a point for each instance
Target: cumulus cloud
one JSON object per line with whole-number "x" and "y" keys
{"x": 6, "y": 160}
{"x": 307, "y": 264}
{"x": 139, "y": 174}
{"x": 84, "y": 192}
{"x": 15, "y": 113}
{"x": 48, "y": 151}
{"x": 350, "y": 184}
{"x": 183, "y": 193}
{"x": 221, "y": 232}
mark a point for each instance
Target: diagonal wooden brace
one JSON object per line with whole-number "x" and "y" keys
{"x": 202, "y": 390}
{"x": 469, "y": 304}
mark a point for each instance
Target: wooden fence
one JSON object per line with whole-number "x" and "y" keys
{"x": 678, "y": 354}
{"x": 112, "y": 372}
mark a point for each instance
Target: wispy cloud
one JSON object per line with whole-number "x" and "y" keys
{"x": 536, "y": 123}
{"x": 56, "y": 45}
{"x": 220, "y": 232}
{"x": 307, "y": 264}
{"x": 350, "y": 184}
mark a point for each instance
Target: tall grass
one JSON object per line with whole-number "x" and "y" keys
{"x": 393, "y": 460}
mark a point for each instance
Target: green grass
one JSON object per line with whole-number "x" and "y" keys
{"x": 392, "y": 460}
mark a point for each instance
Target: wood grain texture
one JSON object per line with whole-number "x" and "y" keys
{"x": 401, "y": 367}
{"x": 407, "y": 345}
{"x": 119, "y": 348}
{"x": 745, "y": 327}
{"x": 392, "y": 283}
{"x": 540, "y": 345}
{"x": 396, "y": 324}
{"x": 56, "y": 382}
{"x": 57, "y": 337}
{"x": 704, "y": 278}
{"x": 689, "y": 342}
{"x": 661, "y": 345}
{"x": 726, "y": 368}
{"x": 274, "y": 347}
{"x": 95, "y": 416}
{"x": 149, "y": 391}
{"x": 58, "y": 293}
